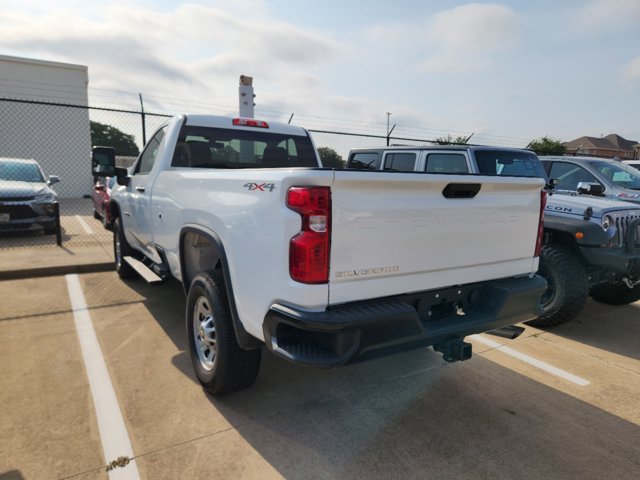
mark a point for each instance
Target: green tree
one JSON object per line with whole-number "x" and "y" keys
{"x": 330, "y": 158}
{"x": 450, "y": 140}
{"x": 107, "y": 136}
{"x": 547, "y": 146}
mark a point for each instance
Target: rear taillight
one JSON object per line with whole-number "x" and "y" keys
{"x": 309, "y": 249}
{"x": 540, "y": 239}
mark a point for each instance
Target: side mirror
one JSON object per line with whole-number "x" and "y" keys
{"x": 552, "y": 183}
{"x": 590, "y": 188}
{"x": 122, "y": 176}
{"x": 103, "y": 161}
{"x": 53, "y": 179}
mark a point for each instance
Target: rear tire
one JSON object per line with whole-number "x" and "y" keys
{"x": 615, "y": 294}
{"x": 568, "y": 287}
{"x": 220, "y": 365}
{"x": 121, "y": 249}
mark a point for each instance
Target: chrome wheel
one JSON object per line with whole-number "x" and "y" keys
{"x": 204, "y": 333}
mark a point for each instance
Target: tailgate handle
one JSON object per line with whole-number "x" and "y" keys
{"x": 461, "y": 190}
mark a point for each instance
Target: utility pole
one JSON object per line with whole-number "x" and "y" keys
{"x": 246, "y": 96}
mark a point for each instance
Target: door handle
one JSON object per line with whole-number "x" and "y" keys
{"x": 140, "y": 189}
{"x": 461, "y": 190}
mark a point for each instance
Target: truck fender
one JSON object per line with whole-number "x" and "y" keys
{"x": 594, "y": 234}
{"x": 214, "y": 257}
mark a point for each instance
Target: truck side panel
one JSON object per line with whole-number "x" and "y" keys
{"x": 254, "y": 225}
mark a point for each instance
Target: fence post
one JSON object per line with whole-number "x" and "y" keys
{"x": 56, "y": 213}
{"x": 144, "y": 130}
{"x": 389, "y": 135}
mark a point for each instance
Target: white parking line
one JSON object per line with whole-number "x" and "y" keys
{"x": 84, "y": 224}
{"x": 532, "y": 361}
{"x": 113, "y": 432}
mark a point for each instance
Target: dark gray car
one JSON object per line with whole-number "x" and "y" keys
{"x": 596, "y": 176}
{"x": 26, "y": 199}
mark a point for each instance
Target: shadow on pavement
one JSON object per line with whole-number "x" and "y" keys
{"x": 11, "y": 475}
{"x": 615, "y": 329}
{"x": 405, "y": 416}
{"x": 473, "y": 420}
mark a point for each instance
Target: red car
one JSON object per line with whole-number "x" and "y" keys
{"x": 100, "y": 196}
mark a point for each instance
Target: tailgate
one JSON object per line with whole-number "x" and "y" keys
{"x": 396, "y": 233}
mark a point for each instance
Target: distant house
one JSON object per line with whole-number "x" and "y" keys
{"x": 607, "y": 147}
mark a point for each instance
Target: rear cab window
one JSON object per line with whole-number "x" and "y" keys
{"x": 507, "y": 163}
{"x": 400, "y": 161}
{"x": 365, "y": 161}
{"x": 208, "y": 147}
{"x": 446, "y": 163}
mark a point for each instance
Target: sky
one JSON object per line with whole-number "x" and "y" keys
{"x": 507, "y": 71}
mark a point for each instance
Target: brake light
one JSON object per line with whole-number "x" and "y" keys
{"x": 309, "y": 249}
{"x": 540, "y": 239}
{"x": 250, "y": 122}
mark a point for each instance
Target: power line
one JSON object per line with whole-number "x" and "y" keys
{"x": 53, "y": 91}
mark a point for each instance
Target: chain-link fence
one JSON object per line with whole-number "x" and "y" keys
{"x": 45, "y": 159}
{"x": 45, "y": 168}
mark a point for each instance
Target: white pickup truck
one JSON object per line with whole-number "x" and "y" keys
{"x": 322, "y": 266}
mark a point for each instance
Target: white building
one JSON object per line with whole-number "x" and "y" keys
{"x": 33, "y": 126}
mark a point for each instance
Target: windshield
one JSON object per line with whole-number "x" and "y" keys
{"x": 204, "y": 147}
{"x": 620, "y": 175}
{"x": 20, "y": 172}
{"x": 506, "y": 163}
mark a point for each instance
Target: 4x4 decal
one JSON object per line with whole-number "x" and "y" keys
{"x": 262, "y": 187}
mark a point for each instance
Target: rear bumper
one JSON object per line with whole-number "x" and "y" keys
{"x": 370, "y": 329}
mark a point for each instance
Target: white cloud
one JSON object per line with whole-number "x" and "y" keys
{"x": 610, "y": 14}
{"x": 191, "y": 51}
{"x": 467, "y": 37}
{"x": 460, "y": 39}
{"x": 631, "y": 71}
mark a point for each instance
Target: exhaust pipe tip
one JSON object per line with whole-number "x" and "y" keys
{"x": 510, "y": 332}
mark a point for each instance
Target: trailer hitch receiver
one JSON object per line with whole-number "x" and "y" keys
{"x": 454, "y": 350}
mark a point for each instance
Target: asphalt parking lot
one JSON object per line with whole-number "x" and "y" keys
{"x": 558, "y": 404}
